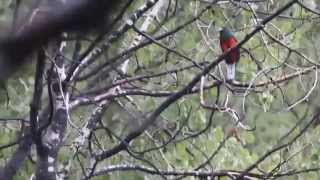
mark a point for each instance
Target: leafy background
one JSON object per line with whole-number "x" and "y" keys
{"x": 266, "y": 109}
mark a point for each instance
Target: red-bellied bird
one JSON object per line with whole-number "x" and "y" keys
{"x": 227, "y": 41}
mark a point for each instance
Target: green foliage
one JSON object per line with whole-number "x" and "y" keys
{"x": 266, "y": 107}
{"x": 266, "y": 100}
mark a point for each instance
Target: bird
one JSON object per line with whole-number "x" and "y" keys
{"x": 227, "y": 41}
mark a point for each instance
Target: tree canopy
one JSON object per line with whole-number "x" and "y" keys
{"x": 137, "y": 89}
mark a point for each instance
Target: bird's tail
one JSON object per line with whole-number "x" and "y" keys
{"x": 231, "y": 71}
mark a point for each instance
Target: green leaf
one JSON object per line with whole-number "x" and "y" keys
{"x": 218, "y": 134}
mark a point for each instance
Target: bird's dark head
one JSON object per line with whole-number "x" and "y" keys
{"x": 225, "y": 33}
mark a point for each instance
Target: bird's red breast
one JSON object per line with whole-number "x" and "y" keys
{"x": 234, "y": 55}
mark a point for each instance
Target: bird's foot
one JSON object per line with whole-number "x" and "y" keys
{"x": 230, "y": 81}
